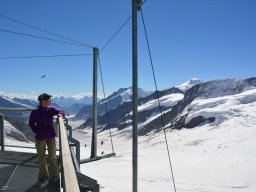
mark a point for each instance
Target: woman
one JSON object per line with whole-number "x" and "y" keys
{"x": 41, "y": 123}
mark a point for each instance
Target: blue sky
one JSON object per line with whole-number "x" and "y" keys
{"x": 208, "y": 39}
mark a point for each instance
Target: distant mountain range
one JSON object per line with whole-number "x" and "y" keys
{"x": 83, "y": 98}
{"x": 188, "y": 105}
{"x": 71, "y": 105}
{"x": 114, "y": 100}
{"x": 178, "y": 105}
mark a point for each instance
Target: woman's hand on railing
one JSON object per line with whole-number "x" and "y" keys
{"x": 60, "y": 115}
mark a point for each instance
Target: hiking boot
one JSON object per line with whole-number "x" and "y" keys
{"x": 54, "y": 180}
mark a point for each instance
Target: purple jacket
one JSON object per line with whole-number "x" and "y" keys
{"x": 41, "y": 122}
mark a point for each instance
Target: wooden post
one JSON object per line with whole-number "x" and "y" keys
{"x": 69, "y": 173}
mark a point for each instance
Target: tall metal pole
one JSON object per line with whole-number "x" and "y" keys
{"x": 2, "y": 131}
{"x": 135, "y": 6}
{"x": 94, "y": 102}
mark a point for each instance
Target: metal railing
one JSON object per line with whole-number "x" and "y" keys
{"x": 72, "y": 178}
{"x": 73, "y": 142}
{"x": 2, "y": 131}
{"x": 15, "y": 109}
{"x": 69, "y": 177}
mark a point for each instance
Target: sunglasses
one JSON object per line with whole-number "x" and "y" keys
{"x": 48, "y": 100}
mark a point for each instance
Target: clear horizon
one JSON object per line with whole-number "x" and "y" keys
{"x": 81, "y": 95}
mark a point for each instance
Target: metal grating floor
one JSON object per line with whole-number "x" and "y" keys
{"x": 19, "y": 173}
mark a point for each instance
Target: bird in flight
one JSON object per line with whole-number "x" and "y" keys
{"x": 43, "y": 76}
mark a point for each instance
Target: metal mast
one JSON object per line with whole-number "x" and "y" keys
{"x": 94, "y": 103}
{"x": 135, "y": 7}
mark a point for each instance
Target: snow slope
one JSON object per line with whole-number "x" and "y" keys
{"x": 212, "y": 157}
{"x": 222, "y": 108}
{"x": 208, "y": 158}
{"x": 218, "y": 156}
{"x": 215, "y": 156}
{"x": 13, "y": 136}
{"x": 166, "y": 101}
{"x": 12, "y": 101}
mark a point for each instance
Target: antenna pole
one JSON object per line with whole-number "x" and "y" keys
{"x": 135, "y": 7}
{"x": 94, "y": 103}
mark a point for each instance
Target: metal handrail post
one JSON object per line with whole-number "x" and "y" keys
{"x": 77, "y": 145}
{"x": 69, "y": 128}
{"x": 2, "y": 131}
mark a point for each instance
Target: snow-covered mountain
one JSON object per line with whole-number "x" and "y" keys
{"x": 16, "y": 103}
{"x": 11, "y": 131}
{"x": 175, "y": 106}
{"x": 114, "y": 100}
{"x": 213, "y": 156}
{"x": 120, "y": 116}
{"x": 83, "y": 98}
{"x": 71, "y": 105}
{"x": 17, "y": 119}
{"x": 125, "y": 95}
{"x": 176, "y": 116}
{"x": 211, "y": 136}
{"x": 210, "y": 131}
{"x": 27, "y": 102}
{"x": 188, "y": 84}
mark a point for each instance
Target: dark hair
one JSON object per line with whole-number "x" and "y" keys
{"x": 44, "y": 96}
